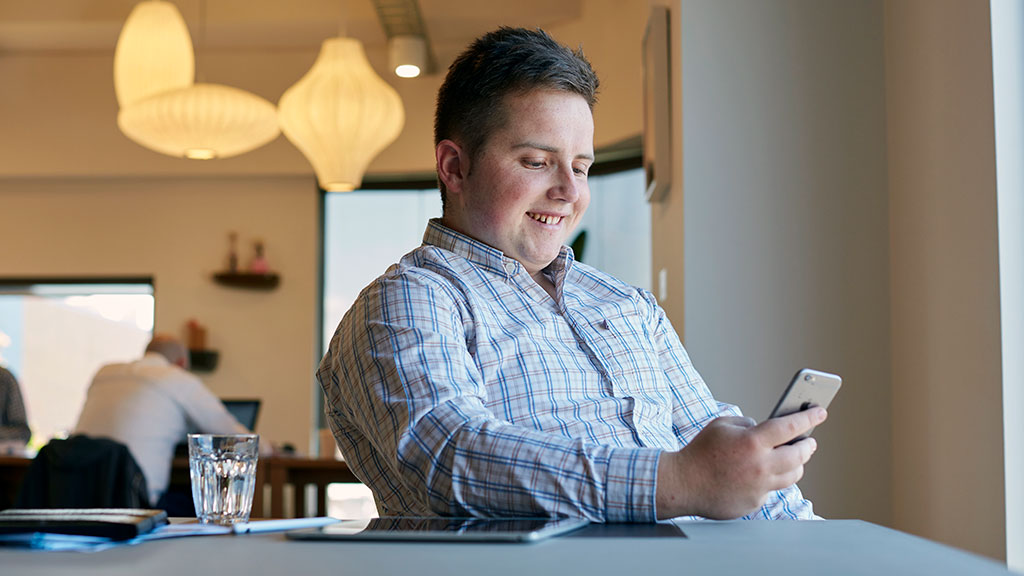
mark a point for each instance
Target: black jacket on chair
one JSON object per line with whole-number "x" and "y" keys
{"x": 84, "y": 472}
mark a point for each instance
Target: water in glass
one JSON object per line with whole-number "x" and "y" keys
{"x": 223, "y": 477}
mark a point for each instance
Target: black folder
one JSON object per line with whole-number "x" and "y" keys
{"x": 113, "y": 523}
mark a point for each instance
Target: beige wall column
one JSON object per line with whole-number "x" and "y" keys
{"x": 946, "y": 378}
{"x": 667, "y": 215}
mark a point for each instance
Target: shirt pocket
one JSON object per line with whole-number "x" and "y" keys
{"x": 631, "y": 359}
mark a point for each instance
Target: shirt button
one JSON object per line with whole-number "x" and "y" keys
{"x": 510, "y": 267}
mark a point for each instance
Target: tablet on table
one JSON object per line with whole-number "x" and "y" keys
{"x": 442, "y": 529}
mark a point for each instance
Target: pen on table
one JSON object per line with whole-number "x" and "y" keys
{"x": 286, "y": 524}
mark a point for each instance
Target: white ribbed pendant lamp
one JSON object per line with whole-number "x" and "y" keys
{"x": 201, "y": 122}
{"x": 197, "y": 121}
{"x": 153, "y": 54}
{"x": 341, "y": 114}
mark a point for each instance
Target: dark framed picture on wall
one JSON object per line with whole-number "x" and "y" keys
{"x": 657, "y": 96}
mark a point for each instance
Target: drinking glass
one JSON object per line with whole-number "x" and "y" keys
{"x": 223, "y": 471}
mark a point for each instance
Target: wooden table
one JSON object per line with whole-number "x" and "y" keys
{"x": 278, "y": 471}
{"x": 302, "y": 472}
{"x": 12, "y": 471}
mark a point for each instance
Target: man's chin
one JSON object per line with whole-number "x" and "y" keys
{"x": 542, "y": 261}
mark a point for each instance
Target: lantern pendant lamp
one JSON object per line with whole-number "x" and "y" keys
{"x": 153, "y": 54}
{"x": 201, "y": 122}
{"x": 180, "y": 118}
{"x": 341, "y": 114}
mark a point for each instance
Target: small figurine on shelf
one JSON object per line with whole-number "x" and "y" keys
{"x": 201, "y": 358}
{"x": 232, "y": 252}
{"x": 258, "y": 264}
{"x": 196, "y": 335}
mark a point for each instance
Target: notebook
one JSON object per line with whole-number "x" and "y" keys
{"x": 113, "y": 523}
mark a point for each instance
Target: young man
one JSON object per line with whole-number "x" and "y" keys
{"x": 488, "y": 374}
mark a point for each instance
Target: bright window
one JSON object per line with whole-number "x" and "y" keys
{"x": 55, "y": 335}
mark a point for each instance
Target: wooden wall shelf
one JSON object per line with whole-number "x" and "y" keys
{"x": 246, "y": 280}
{"x": 203, "y": 360}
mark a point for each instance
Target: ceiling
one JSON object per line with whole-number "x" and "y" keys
{"x": 94, "y": 25}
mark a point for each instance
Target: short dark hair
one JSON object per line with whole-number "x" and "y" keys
{"x": 470, "y": 102}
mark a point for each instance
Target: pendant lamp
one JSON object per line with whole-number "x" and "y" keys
{"x": 341, "y": 114}
{"x": 153, "y": 54}
{"x": 201, "y": 122}
{"x": 180, "y": 118}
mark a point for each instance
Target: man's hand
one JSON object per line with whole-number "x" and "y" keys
{"x": 732, "y": 465}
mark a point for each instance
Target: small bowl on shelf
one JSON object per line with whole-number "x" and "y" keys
{"x": 203, "y": 360}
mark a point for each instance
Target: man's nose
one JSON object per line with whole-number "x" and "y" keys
{"x": 566, "y": 187}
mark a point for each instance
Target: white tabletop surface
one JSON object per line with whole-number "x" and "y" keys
{"x": 833, "y": 547}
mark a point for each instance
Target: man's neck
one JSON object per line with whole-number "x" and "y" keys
{"x": 542, "y": 279}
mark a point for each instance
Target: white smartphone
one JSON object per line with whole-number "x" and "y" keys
{"x": 807, "y": 388}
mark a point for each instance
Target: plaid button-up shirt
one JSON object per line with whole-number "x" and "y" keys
{"x": 456, "y": 385}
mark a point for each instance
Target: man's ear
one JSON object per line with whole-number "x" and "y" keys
{"x": 452, "y": 165}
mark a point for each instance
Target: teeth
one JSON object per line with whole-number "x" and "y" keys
{"x": 546, "y": 219}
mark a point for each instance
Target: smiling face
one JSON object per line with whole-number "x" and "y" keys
{"x": 526, "y": 190}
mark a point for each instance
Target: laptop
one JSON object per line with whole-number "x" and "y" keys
{"x": 442, "y": 529}
{"x": 244, "y": 410}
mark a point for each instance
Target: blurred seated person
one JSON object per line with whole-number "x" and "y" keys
{"x": 150, "y": 405}
{"x": 14, "y": 431}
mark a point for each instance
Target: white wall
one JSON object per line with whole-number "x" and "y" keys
{"x": 785, "y": 225}
{"x": 1008, "y": 89}
{"x": 175, "y": 230}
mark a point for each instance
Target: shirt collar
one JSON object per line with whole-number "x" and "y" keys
{"x": 439, "y": 235}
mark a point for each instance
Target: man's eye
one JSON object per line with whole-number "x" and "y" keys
{"x": 533, "y": 163}
{"x": 580, "y": 171}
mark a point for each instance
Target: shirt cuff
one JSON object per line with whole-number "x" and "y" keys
{"x": 630, "y": 487}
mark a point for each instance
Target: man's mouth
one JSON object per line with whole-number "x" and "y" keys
{"x": 545, "y": 218}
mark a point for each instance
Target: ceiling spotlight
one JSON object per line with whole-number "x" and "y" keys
{"x": 407, "y": 55}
